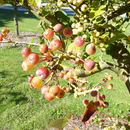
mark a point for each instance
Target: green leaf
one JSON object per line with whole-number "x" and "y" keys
{"x": 74, "y": 49}
{"x": 58, "y": 123}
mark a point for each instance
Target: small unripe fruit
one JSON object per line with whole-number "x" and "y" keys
{"x": 25, "y": 51}
{"x": 36, "y": 82}
{"x": 42, "y": 72}
{"x": 89, "y": 64}
{"x": 85, "y": 102}
{"x": 33, "y": 58}
{"x": 84, "y": 8}
{"x": 79, "y": 41}
{"x": 58, "y": 28}
{"x": 54, "y": 90}
{"x": 61, "y": 93}
{"x": 26, "y": 65}
{"x": 67, "y": 32}
{"x": 55, "y": 44}
{"x": 90, "y": 49}
{"x": 43, "y": 48}
{"x": 45, "y": 89}
{"x": 48, "y": 34}
{"x": 49, "y": 96}
{"x": 94, "y": 93}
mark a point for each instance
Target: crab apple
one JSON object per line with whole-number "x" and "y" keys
{"x": 85, "y": 102}
{"x": 71, "y": 80}
{"x": 1, "y": 37}
{"x": 48, "y": 34}
{"x": 49, "y": 96}
{"x": 30, "y": 77}
{"x": 47, "y": 57}
{"x": 110, "y": 86}
{"x": 67, "y": 32}
{"x": 43, "y": 48}
{"x": 25, "y": 51}
{"x": 4, "y": 34}
{"x": 55, "y": 44}
{"x": 105, "y": 104}
{"x": 90, "y": 49}
{"x": 61, "y": 93}
{"x": 89, "y": 64}
{"x": 61, "y": 74}
{"x": 36, "y": 82}
{"x": 84, "y": 8}
{"x": 94, "y": 93}
{"x": 102, "y": 97}
{"x": 33, "y": 58}
{"x": 54, "y": 90}
{"x": 5, "y": 30}
{"x": 26, "y": 65}
{"x": 42, "y": 72}
{"x": 79, "y": 41}
{"x": 66, "y": 77}
{"x": 96, "y": 103}
{"x": 58, "y": 28}
{"x": 45, "y": 89}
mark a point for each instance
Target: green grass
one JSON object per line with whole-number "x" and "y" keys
{"x": 27, "y": 21}
{"x": 24, "y": 108}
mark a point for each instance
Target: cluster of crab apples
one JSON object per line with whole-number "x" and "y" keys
{"x": 4, "y": 33}
{"x": 47, "y": 72}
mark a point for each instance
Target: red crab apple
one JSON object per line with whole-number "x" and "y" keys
{"x": 33, "y": 58}
{"x": 36, "y": 82}
{"x": 90, "y": 49}
{"x": 89, "y": 64}
{"x": 94, "y": 93}
{"x": 61, "y": 93}
{"x": 5, "y": 30}
{"x": 45, "y": 89}
{"x": 49, "y": 96}
{"x": 67, "y": 32}
{"x": 42, "y": 72}
{"x": 105, "y": 104}
{"x": 43, "y": 48}
{"x": 25, "y": 51}
{"x": 55, "y": 44}
{"x": 79, "y": 41}
{"x": 96, "y": 103}
{"x": 54, "y": 90}
{"x": 58, "y": 28}
{"x": 85, "y": 102}
{"x": 26, "y": 65}
{"x": 1, "y": 37}
{"x": 48, "y": 34}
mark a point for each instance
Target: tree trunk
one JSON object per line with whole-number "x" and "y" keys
{"x": 16, "y": 20}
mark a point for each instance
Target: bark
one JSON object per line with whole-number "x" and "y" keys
{"x": 16, "y": 20}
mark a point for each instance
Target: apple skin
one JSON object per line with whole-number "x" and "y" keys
{"x": 33, "y": 58}
{"x": 54, "y": 90}
{"x": 1, "y": 37}
{"x": 79, "y": 41}
{"x": 26, "y": 65}
{"x": 67, "y": 32}
{"x": 25, "y": 51}
{"x": 89, "y": 64}
{"x": 55, "y": 44}
{"x": 45, "y": 89}
{"x": 42, "y": 72}
{"x": 58, "y": 28}
{"x": 48, "y": 34}
{"x": 94, "y": 93}
{"x": 49, "y": 96}
{"x": 36, "y": 82}
{"x": 43, "y": 48}
{"x": 90, "y": 49}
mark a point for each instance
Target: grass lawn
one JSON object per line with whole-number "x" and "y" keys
{"x": 24, "y": 108}
{"x": 27, "y": 21}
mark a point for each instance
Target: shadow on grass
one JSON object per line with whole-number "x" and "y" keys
{"x": 4, "y": 74}
{"x": 16, "y": 97}
{"x": 7, "y": 16}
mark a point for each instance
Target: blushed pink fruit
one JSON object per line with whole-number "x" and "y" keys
{"x": 89, "y": 64}
{"x": 43, "y": 48}
{"x": 55, "y": 44}
{"x": 49, "y": 96}
{"x": 58, "y": 28}
{"x": 42, "y": 72}
{"x": 25, "y": 51}
{"x": 90, "y": 49}
{"x": 85, "y": 102}
{"x": 48, "y": 34}
{"x": 67, "y": 32}
{"x": 33, "y": 58}
{"x": 79, "y": 41}
{"x": 45, "y": 89}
